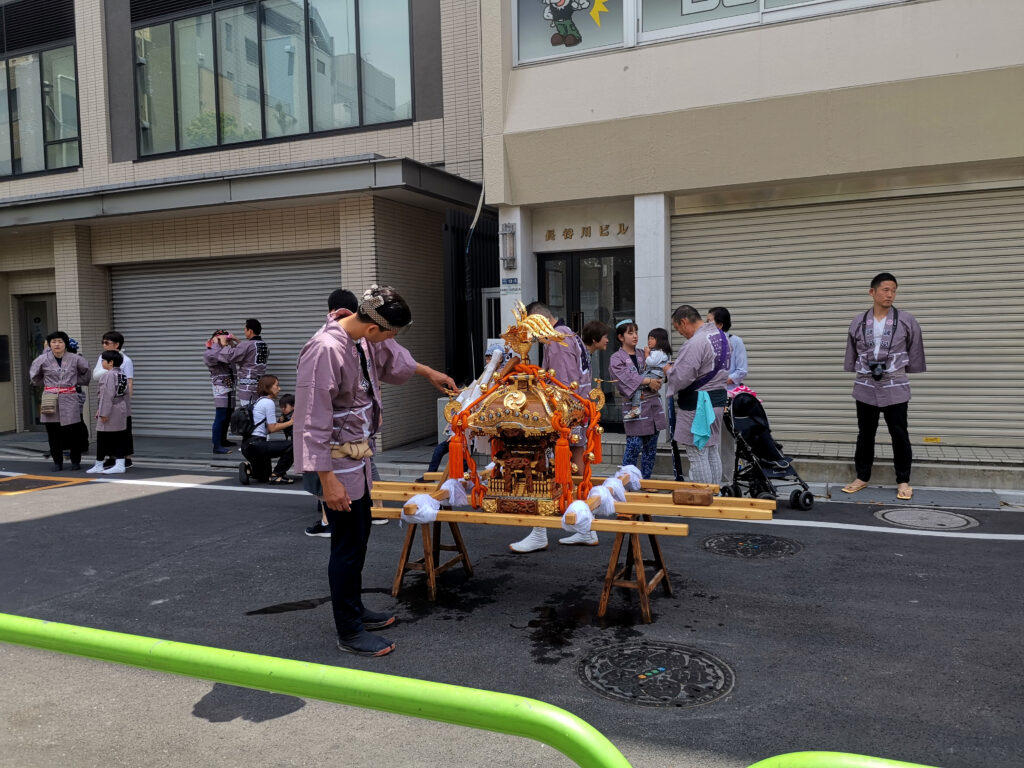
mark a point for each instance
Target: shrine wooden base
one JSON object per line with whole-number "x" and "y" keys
{"x": 632, "y": 574}
{"x": 430, "y": 563}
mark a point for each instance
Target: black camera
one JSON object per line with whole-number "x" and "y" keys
{"x": 878, "y": 368}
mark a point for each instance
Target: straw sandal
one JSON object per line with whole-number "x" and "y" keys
{"x": 856, "y": 485}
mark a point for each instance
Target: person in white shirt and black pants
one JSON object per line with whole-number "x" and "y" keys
{"x": 257, "y": 448}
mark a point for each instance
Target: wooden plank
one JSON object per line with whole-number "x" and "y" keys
{"x": 532, "y": 521}
{"x": 728, "y": 502}
{"x": 676, "y": 510}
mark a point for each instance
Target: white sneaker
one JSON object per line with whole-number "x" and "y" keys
{"x": 95, "y": 468}
{"x": 584, "y": 539}
{"x": 379, "y": 521}
{"x": 117, "y": 469}
{"x": 535, "y": 541}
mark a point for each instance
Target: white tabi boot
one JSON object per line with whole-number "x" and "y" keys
{"x": 95, "y": 468}
{"x": 117, "y": 469}
{"x": 536, "y": 540}
{"x": 584, "y": 539}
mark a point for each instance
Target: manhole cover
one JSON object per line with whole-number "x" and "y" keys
{"x": 751, "y": 546}
{"x": 654, "y": 674}
{"x": 926, "y": 519}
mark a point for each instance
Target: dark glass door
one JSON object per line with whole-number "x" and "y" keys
{"x": 581, "y": 286}
{"x": 38, "y": 318}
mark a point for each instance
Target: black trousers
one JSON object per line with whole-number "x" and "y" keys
{"x": 350, "y": 532}
{"x": 112, "y": 444}
{"x": 260, "y": 452}
{"x": 867, "y": 426}
{"x": 67, "y": 437}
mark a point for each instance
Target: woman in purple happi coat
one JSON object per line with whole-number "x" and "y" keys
{"x": 701, "y": 367}
{"x": 337, "y": 416}
{"x": 642, "y": 429}
{"x": 222, "y": 382}
{"x": 58, "y": 372}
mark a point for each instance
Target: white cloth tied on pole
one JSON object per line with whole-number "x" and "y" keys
{"x": 618, "y": 490}
{"x": 633, "y": 482}
{"x": 583, "y": 518}
{"x": 607, "y": 506}
{"x": 456, "y": 492}
{"x": 425, "y": 509}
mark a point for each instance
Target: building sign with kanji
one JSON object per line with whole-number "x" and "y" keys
{"x": 583, "y": 228}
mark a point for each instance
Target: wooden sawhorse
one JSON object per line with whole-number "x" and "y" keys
{"x": 632, "y": 574}
{"x": 431, "y": 563}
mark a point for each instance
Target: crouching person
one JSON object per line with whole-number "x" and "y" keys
{"x": 112, "y": 413}
{"x": 257, "y": 448}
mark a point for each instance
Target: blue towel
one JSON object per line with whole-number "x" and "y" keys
{"x": 703, "y": 418}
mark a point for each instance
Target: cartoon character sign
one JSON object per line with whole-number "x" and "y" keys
{"x": 559, "y": 13}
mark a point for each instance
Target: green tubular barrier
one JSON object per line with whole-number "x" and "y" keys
{"x": 484, "y": 710}
{"x": 831, "y": 760}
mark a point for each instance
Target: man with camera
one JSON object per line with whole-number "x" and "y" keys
{"x": 883, "y": 346}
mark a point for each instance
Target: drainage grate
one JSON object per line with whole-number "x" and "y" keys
{"x": 925, "y": 519}
{"x": 656, "y": 674}
{"x": 751, "y": 546}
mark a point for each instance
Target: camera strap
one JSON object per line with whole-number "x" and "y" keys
{"x": 886, "y": 342}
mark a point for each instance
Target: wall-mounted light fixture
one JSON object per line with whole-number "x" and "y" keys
{"x": 508, "y": 246}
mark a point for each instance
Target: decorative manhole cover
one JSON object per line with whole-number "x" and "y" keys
{"x": 655, "y": 674}
{"x": 926, "y": 519}
{"x": 751, "y": 546}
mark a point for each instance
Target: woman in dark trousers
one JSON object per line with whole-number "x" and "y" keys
{"x": 257, "y": 448}
{"x": 59, "y": 372}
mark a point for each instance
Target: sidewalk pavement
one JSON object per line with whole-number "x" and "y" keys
{"x": 825, "y": 466}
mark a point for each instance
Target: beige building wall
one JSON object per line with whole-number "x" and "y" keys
{"x": 890, "y": 90}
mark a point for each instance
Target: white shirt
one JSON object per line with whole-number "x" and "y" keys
{"x": 879, "y": 328}
{"x": 265, "y": 408}
{"x": 127, "y": 367}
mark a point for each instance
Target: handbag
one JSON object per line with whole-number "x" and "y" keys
{"x": 48, "y": 403}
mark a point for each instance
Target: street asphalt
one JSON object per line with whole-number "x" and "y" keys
{"x": 868, "y": 637}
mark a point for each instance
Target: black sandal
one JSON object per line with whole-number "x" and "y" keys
{"x": 281, "y": 480}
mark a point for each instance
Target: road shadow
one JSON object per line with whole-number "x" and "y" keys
{"x": 228, "y": 702}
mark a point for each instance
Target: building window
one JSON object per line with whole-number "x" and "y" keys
{"x": 552, "y": 29}
{"x": 39, "y": 112}
{"x": 305, "y": 66}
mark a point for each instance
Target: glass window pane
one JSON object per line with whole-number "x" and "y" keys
{"x": 546, "y": 30}
{"x": 386, "y": 69}
{"x": 154, "y": 88}
{"x": 332, "y": 55}
{"x": 60, "y": 91}
{"x": 63, "y": 155}
{"x": 5, "y": 126}
{"x": 27, "y": 113}
{"x": 284, "y": 67}
{"x": 238, "y": 75}
{"x": 197, "y": 108}
{"x": 667, "y": 14}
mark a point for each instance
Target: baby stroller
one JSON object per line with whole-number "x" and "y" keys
{"x": 760, "y": 465}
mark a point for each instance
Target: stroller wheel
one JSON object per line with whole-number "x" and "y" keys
{"x": 765, "y": 495}
{"x": 794, "y": 499}
{"x": 726, "y": 490}
{"x": 806, "y": 500}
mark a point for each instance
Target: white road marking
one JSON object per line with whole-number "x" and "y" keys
{"x": 790, "y": 523}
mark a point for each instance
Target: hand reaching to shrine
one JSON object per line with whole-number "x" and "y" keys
{"x": 440, "y": 381}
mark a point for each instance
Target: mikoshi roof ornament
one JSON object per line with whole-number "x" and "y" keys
{"x": 533, "y": 421}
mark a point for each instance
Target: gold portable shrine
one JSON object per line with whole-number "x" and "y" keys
{"x": 533, "y": 421}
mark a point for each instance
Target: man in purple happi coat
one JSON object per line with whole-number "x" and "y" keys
{"x": 337, "y": 415}
{"x": 571, "y": 363}
{"x": 701, "y": 367}
{"x": 249, "y": 357}
{"x": 883, "y": 345}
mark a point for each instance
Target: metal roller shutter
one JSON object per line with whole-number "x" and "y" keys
{"x": 167, "y": 311}
{"x": 793, "y": 278}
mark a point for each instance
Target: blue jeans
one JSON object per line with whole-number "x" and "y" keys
{"x": 220, "y": 426}
{"x": 439, "y": 453}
